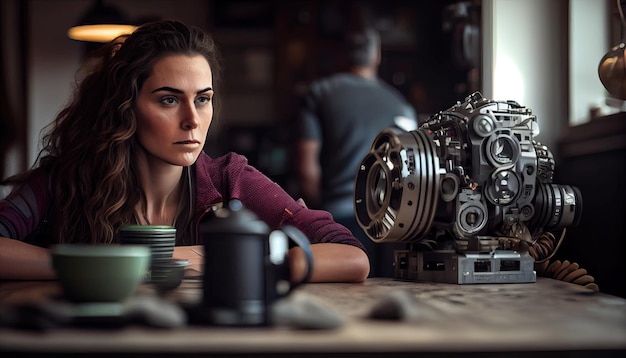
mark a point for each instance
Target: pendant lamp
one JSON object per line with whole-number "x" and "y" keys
{"x": 101, "y": 23}
{"x": 612, "y": 67}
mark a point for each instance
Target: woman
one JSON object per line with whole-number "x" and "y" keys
{"x": 128, "y": 150}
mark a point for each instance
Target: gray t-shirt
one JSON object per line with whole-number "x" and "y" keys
{"x": 345, "y": 113}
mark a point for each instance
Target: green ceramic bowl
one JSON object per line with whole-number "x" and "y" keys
{"x": 99, "y": 273}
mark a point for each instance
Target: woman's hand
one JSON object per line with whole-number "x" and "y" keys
{"x": 331, "y": 263}
{"x": 194, "y": 254}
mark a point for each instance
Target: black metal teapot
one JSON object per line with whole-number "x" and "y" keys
{"x": 246, "y": 266}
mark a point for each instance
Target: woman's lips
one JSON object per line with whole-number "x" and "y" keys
{"x": 190, "y": 141}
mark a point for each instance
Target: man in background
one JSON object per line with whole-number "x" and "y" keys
{"x": 341, "y": 116}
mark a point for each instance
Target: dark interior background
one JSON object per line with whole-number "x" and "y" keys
{"x": 296, "y": 42}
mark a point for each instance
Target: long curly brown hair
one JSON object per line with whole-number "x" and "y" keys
{"x": 90, "y": 147}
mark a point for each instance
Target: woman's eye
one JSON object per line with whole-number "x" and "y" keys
{"x": 203, "y": 99}
{"x": 168, "y": 100}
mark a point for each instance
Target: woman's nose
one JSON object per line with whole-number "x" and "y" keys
{"x": 190, "y": 118}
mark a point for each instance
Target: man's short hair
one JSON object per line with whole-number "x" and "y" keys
{"x": 363, "y": 46}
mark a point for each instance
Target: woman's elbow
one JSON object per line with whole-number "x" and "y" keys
{"x": 361, "y": 266}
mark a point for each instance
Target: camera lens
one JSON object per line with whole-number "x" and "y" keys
{"x": 557, "y": 206}
{"x": 502, "y": 149}
{"x": 471, "y": 219}
{"x": 504, "y": 187}
{"x": 397, "y": 186}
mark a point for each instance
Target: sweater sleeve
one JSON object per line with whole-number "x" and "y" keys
{"x": 277, "y": 208}
{"x": 23, "y": 209}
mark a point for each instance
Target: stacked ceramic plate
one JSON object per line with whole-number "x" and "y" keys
{"x": 160, "y": 239}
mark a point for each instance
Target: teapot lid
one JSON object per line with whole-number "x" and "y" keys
{"x": 234, "y": 218}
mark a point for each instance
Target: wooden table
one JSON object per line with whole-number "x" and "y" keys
{"x": 547, "y": 318}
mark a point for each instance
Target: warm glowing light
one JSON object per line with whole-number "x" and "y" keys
{"x": 99, "y": 33}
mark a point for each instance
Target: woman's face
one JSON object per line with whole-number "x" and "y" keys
{"x": 174, "y": 109}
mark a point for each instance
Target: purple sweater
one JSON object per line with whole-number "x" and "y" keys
{"x": 215, "y": 180}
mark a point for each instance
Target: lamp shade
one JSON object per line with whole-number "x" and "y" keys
{"x": 101, "y": 23}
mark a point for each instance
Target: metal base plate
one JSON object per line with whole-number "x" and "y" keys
{"x": 499, "y": 266}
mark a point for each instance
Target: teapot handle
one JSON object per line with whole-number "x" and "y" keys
{"x": 301, "y": 240}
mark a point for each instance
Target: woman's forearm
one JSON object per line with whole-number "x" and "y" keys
{"x": 22, "y": 261}
{"x": 331, "y": 263}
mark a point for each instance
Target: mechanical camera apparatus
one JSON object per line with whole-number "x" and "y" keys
{"x": 469, "y": 191}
